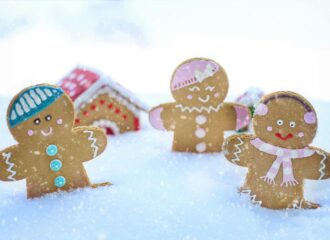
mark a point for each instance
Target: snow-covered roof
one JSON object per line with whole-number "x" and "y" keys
{"x": 82, "y": 83}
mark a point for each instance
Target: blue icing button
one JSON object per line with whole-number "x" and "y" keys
{"x": 59, "y": 181}
{"x": 55, "y": 165}
{"x": 52, "y": 150}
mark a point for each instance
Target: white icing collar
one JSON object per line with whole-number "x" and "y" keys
{"x": 207, "y": 109}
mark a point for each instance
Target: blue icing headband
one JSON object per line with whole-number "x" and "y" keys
{"x": 32, "y": 101}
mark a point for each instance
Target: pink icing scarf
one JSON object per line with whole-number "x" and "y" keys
{"x": 284, "y": 157}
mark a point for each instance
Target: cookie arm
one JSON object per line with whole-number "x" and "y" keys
{"x": 91, "y": 141}
{"x": 315, "y": 167}
{"x": 161, "y": 117}
{"x": 237, "y": 116}
{"x": 236, "y": 149}
{"x": 12, "y": 164}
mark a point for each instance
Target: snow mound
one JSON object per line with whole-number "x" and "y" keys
{"x": 158, "y": 194}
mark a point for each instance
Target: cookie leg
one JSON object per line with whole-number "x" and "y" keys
{"x": 105, "y": 184}
{"x": 242, "y": 189}
{"x": 303, "y": 204}
{"x": 309, "y": 205}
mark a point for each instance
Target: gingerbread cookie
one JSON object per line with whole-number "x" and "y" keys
{"x": 199, "y": 116}
{"x": 279, "y": 156}
{"x": 50, "y": 152}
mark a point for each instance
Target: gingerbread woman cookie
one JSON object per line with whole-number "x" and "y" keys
{"x": 199, "y": 116}
{"x": 50, "y": 152}
{"x": 278, "y": 156}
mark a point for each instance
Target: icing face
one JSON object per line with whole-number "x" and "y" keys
{"x": 282, "y": 122}
{"x": 210, "y": 92}
{"x": 198, "y": 83}
{"x": 50, "y": 122}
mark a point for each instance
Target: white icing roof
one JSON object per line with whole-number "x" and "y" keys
{"x": 82, "y": 83}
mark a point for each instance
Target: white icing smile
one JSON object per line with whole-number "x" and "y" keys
{"x": 204, "y": 100}
{"x": 46, "y": 134}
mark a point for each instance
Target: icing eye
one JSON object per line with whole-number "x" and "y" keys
{"x": 209, "y": 88}
{"x": 194, "y": 89}
{"x": 279, "y": 122}
{"x": 48, "y": 118}
{"x": 292, "y": 124}
{"x": 37, "y": 121}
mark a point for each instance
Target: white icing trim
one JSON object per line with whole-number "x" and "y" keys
{"x": 19, "y": 109}
{"x": 35, "y": 97}
{"x": 322, "y": 164}
{"x": 252, "y": 197}
{"x": 24, "y": 105}
{"x": 48, "y": 93}
{"x": 297, "y": 204}
{"x": 7, "y": 157}
{"x": 238, "y": 151}
{"x": 208, "y": 109}
{"x": 93, "y": 140}
{"x": 41, "y": 94}
{"x": 13, "y": 115}
{"x": 106, "y": 123}
{"x": 29, "y": 100}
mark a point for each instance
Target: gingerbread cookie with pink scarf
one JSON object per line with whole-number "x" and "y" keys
{"x": 279, "y": 156}
{"x": 50, "y": 151}
{"x": 199, "y": 116}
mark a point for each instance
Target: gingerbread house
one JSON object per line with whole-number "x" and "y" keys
{"x": 99, "y": 101}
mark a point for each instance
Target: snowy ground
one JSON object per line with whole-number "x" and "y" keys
{"x": 158, "y": 194}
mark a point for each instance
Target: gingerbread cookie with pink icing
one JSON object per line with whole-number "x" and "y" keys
{"x": 279, "y": 156}
{"x": 199, "y": 116}
{"x": 49, "y": 152}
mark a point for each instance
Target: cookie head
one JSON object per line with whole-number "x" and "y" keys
{"x": 40, "y": 112}
{"x": 199, "y": 82}
{"x": 285, "y": 119}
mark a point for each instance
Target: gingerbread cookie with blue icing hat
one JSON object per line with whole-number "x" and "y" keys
{"x": 49, "y": 152}
{"x": 199, "y": 116}
{"x": 279, "y": 156}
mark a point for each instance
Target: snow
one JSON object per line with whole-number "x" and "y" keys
{"x": 158, "y": 194}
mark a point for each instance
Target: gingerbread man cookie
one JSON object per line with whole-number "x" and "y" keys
{"x": 199, "y": 116}
{"x": 50, "y": 152}
{"x": 278, "y": 156}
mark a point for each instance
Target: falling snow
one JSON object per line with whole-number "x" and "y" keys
{"x": 158, "y": 194}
